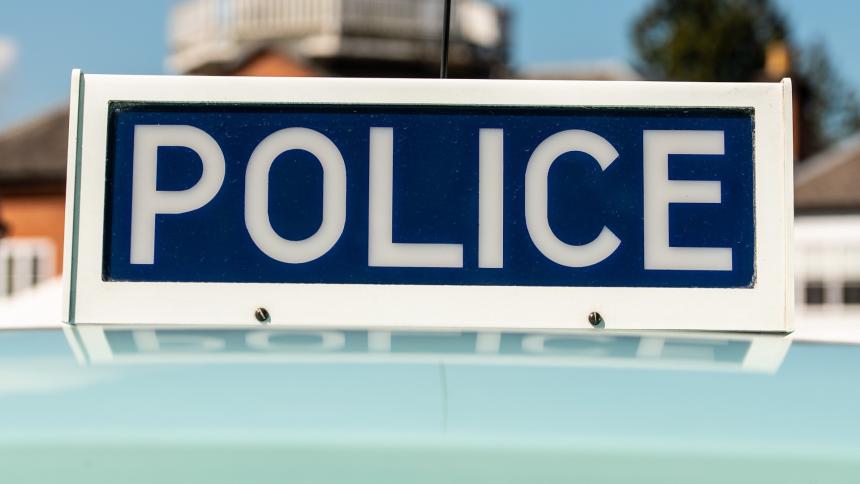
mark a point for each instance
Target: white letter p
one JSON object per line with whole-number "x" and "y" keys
{"x": 147, "y": 201}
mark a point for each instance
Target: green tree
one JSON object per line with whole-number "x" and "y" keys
{"x": 727, "y": 40}
{"x": 706, "y": 40}
{"x": 831, "y": 109}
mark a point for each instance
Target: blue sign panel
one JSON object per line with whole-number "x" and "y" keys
{"x": 623, "y": 197}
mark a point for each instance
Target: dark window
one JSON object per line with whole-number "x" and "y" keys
{"x": 10, "y": 276}
{"x": 34, "y": 268}
{"x": 814, "y": 293}
{"x": 851, "y": 292}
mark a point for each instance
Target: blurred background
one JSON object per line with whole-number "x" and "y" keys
{"x": 813, "y": 43}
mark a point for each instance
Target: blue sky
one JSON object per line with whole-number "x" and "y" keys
{"x": 42, "y": 40}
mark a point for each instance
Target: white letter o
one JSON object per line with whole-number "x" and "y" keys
{"x": 257, "y": 195}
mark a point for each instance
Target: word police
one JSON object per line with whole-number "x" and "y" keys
{"x": 660, "y": 190}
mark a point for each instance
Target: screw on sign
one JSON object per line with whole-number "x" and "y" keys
{"x": 262, "y": 315}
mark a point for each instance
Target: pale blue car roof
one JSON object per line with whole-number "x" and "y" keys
{"x": 433, "y": 409}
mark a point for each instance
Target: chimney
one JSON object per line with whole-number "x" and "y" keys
{"x": 777, "y": 60}
{"x": 777, "y": 66}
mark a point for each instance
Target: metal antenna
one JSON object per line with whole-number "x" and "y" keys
{"x": 446, "y": 40}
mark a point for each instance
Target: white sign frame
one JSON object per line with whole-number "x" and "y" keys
{"x": 766, "y": 307}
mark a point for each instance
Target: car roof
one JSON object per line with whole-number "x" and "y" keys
{"x": 431, "y": 401}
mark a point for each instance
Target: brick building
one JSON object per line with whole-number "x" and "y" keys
{"x": 827, "y": 234}
{"x": 32, "y": 196}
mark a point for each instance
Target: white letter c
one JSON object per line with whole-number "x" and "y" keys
{"x": 536, "y": 183}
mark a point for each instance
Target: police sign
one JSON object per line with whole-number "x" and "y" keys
{"x": 429, "y": 203}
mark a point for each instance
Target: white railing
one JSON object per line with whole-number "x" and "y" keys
{"x": 395, "y": 18}
{"x": 200, "y": 21}
{"x": 267, "y": 18}
{"x": 24, "y": 263}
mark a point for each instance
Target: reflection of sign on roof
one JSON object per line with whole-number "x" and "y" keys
{"x": 101, "y": 345}
{"x": 431, "y": 204}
